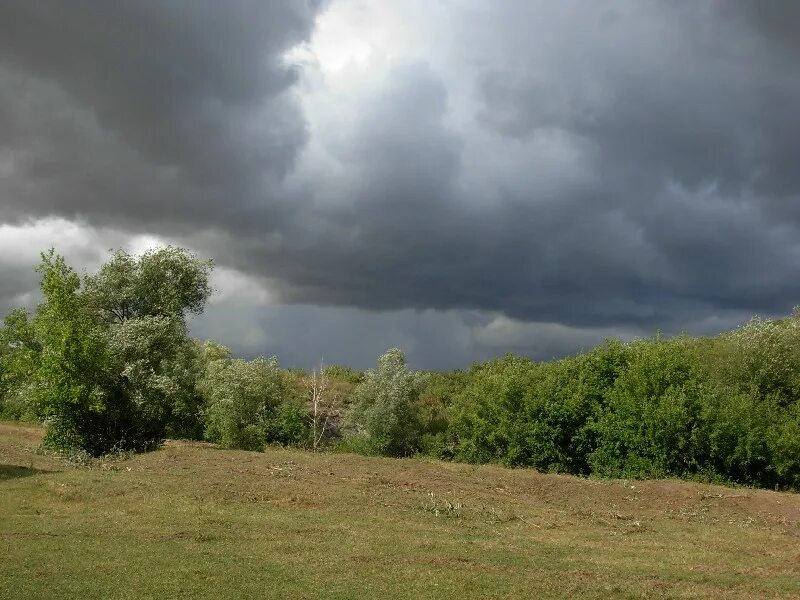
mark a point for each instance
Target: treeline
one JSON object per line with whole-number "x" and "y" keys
{"x": 106, "y": 363}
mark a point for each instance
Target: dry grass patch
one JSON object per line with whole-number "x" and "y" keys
{"x": 194, "y": 521}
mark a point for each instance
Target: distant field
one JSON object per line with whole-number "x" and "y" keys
{"x": 192, "y": 521}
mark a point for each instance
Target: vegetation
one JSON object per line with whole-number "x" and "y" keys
{"x": 192, "y": 521}
{"x": 382, "y": 416}
{"x": 106, "y": 363}
{"x": 714, "y": 409}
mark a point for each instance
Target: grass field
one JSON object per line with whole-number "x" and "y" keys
{"x": 192, "y": 521}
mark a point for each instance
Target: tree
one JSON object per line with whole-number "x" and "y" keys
{"x": 154, "y": 361}
{"x": 382, "y": 414}
{"x": 323, "y": 404}
{"x": 162, "y": 282}
{"x": 70, "y": 387}
{"x": 19, "y": 351}
{"x": 117, "y": 368}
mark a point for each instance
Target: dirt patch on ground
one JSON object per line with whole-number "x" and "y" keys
{"x": 22, "y": 434}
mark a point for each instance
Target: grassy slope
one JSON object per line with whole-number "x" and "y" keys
{"x": 191, "y": 521}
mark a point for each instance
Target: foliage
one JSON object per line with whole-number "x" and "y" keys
{"x": 433, "y": 407}
{"x": 485, "y": 413}
{"x": 161, "y": 282}
{"x": 382, "y": 413}
{"x": 289, "y": 425}
{"x": 69, "y": 386}
{"x": 344, "y": 373}
{"x": 240, "y": 399}
{"x": 724, "y": 408}
{"x": 653, "y": 410}
{"x": 19, "y": 351}
{"x": 109, "y": 365}
{"x": 153, "y": 361}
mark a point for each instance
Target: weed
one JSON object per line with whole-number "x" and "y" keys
{"x": 442, "y": 507}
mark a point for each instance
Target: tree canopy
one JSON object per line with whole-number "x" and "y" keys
{"x": 161, "y": 282}
{"x": 110, "y": 365}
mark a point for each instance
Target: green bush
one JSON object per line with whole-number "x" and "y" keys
{"x": 19, "y": 353}
{"x": 521, "y": 413}
{"x": 289, "y": 425}
{"x": 648, "y": 426}
{"x": 240, "y": 397}
{"x": 485, "y": 420}
{"x": 382, "y": 413}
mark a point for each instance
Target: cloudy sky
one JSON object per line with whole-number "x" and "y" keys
{"x": 459, "y": 178}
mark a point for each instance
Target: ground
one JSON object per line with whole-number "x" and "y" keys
{"x": 194, "y": 521}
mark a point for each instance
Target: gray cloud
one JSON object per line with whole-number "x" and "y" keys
{"x": 147, "y": 111}
{"x": 576, "y": 170}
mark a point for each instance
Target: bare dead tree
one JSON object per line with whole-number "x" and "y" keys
{"x": 321, "y": 403}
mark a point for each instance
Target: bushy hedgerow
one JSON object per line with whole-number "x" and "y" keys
{"x": 724, "y": 408}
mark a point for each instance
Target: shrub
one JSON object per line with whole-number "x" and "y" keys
{"x": 521, "y": 413}
{"x": 240, "y": 397}
{"x": 288, "y": 424}
{"x": 382, "y": 412}
{"x": 724, "y": 408}
{"x": 486, "y": 413}
{"x": 19, "y": 353}
{"x": 653, "y": 408}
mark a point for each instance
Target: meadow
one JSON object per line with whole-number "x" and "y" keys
{"x": 190, "y": 520}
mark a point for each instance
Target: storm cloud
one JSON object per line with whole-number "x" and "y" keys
{"x": 461, "y": 179}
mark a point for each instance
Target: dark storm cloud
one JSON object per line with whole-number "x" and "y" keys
{"x": 16, "y": 280}
{"x": 149, "y": 110}
{"x": 684, "y": 120}
{"x": 599, "y": 167}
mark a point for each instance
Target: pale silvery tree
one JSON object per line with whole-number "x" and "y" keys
{"x": 322, "y": 405}
{"x": 382, "y": 413}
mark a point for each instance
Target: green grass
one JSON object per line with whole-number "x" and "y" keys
{"x": 192, "y": 521}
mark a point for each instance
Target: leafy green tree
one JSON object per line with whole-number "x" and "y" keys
{"x": 19, "y": 351}
{"x": 382, "y": 415}
{"x": 70, "y": 383}
{"x": 116, "y": 367}
{"x": 153, "y": 361}
{"x": 162, "y": 282}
